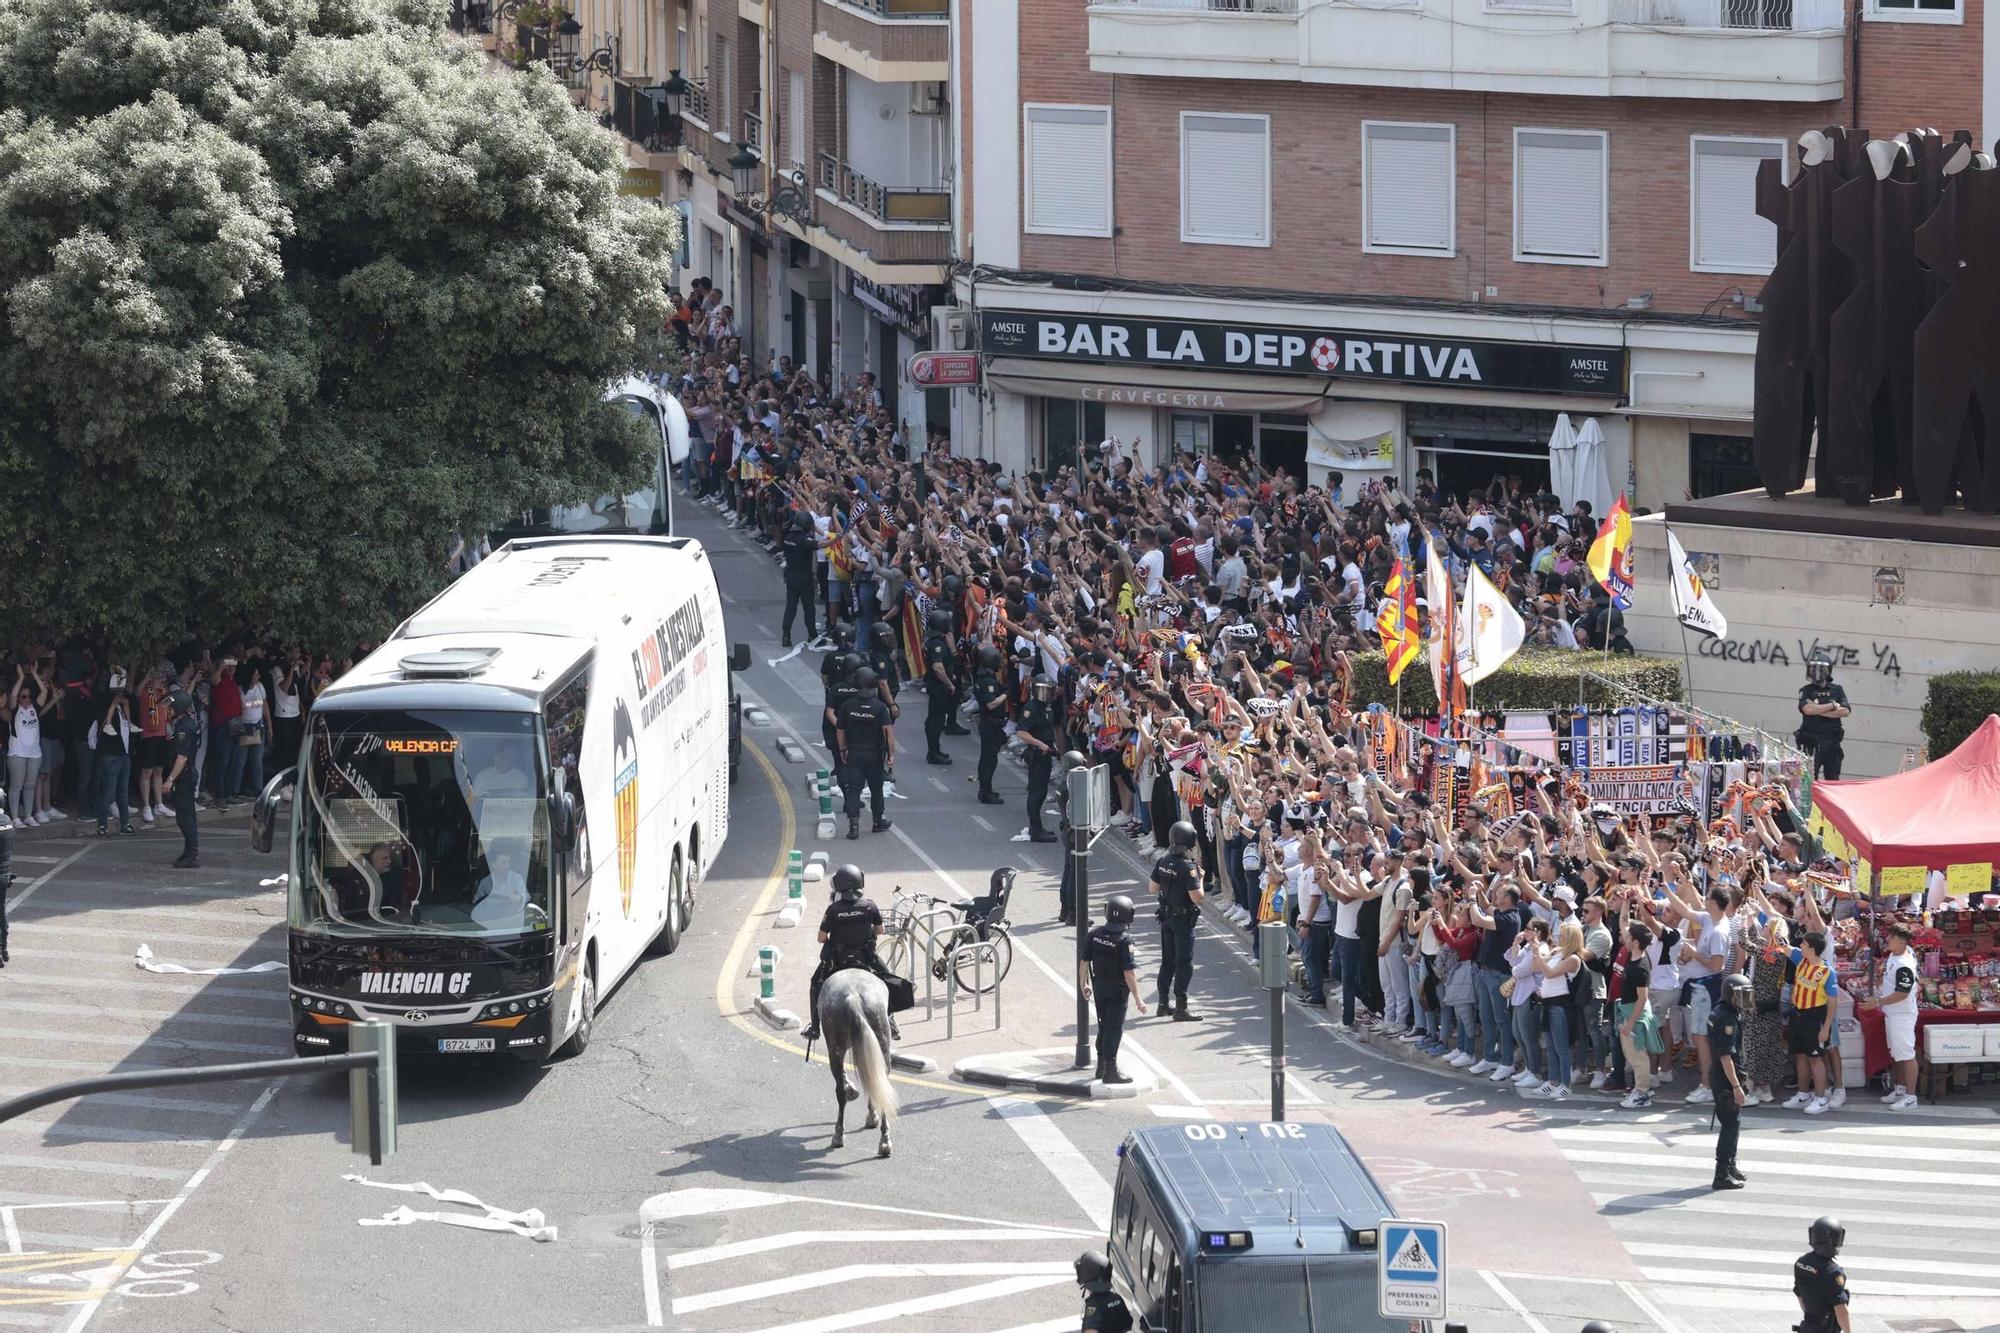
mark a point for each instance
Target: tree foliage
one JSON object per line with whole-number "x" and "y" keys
{"x": 291, "y": 292}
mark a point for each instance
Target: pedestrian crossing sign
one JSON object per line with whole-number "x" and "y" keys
{"x": 1411, "y": 1273}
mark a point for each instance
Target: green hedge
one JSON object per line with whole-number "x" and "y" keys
{"x": 1535, "y": 680}
{"x": 1957, "y": 703}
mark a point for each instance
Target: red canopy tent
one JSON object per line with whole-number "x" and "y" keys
{"x": 1945, "y": 813}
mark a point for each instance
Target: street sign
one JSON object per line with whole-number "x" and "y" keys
{"x": 1090, "y": 798}
{"x": 944, "y": 370}
{"x": 1410, "y": 1269}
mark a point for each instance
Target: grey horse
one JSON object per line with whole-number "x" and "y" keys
{"x": 854, "y": 1015}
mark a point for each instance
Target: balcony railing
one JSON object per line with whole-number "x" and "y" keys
{"x": 1216, "y": 6}
{"x": 470, "y": 16}
{"x": 903, "y": 9}
{"x": 640, "y": 114}
{"x": 884, "y": 203}
{"x": 697, "y": 105}
{"x": 1732, "y": 15}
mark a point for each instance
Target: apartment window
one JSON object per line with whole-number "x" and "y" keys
{"x": 1407, "y": 188}
{"x": 1720, "y": 465}
{"x": 1067, "y": 175}
{"x": 1560, "y": 196}
{"x": 681, "y": 51}
{"x": 795, "y": 119}
{"x": 723, "y": 88}
{"x": 1069, "y": 426}
{"x": 1225, "y": 179}
{"x": 1727, "y": 235}
{"x": 1916, "y": 11}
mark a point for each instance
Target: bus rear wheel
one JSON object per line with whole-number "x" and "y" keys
{"x": 676, "y": 922}
{"x": 579, "y": 1040}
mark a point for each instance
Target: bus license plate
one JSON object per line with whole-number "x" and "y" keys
{"x": 454, "y": 1045}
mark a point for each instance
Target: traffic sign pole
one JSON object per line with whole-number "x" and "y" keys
{"x": 1410, "y": 1269}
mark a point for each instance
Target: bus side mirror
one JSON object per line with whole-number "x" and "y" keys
{"x": 739, "y": 657}
{"x": 563, "y": 821}
{"x": 264, "y": 814}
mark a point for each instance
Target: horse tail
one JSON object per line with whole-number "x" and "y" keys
{"x": 872, "y": 1064}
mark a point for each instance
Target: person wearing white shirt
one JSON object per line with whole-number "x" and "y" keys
{"x": 1898, "y": 1002}
{"x": 501, "y": 900}
{"x": 1152, "y": 562}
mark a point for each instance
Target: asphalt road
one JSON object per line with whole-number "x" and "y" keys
{"x": 684, "y": 1161}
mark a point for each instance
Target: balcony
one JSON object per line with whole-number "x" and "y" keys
{"x": 888, "y": 41}
{"x": 470, "y": 17}
{"x": 890, "y": 223}
{"x": 1757, "y": 50}
{"x": 639, "y": 112}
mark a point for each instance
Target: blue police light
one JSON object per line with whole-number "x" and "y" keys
{"x": 1225, "y": 1240}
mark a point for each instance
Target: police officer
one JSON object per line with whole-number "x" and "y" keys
{"x": 185, "y": 730}
{"x": 991, "y": 696}
{"x": 1725, "y": 1043}
{"x": 866, "y": 737}
{"x": 1039, "y": 721}
{"x": 843, "y": 644}
{"x": 1821, "y": 706}
{"x": 840, "y": 688}
{"x": 951, "y": 597}
{"x": 940, "y": 685}
{"x": 882, "y": 655}
{"x": 6, "y": 870}
{"x": 801, "y": 547}
{"x": 847, "y": 935}
{"x": 1177, "y": 883}
{"x": 1104, "y": 1310}
{"x": 1820, "y": 1282}
{"x": 1109, "y": 974}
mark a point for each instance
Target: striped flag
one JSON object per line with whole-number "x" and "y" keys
{"x": 1396, "y": 622}
{"x": 1611, "y": 555}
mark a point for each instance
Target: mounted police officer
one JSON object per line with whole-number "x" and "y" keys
{"x": 866, "y": 736}
{"x": 940, "y": 685}
{"x": 185, "y": 730}
{"x": 1820, "y": 1282}
{"x": 1109, "y": 975}
{"x": 1040, "y": 719}
{"x": 1177, "y": 883}
{"x": 991, "y": 696}
{"x": 847, "y": 935}
{"x": 1821, "y": 706}
{"x": 1725, "y": 1048}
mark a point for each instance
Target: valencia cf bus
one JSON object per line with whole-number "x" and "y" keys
{"x": 650, "y": 508}
{"x": 513, "y": 800}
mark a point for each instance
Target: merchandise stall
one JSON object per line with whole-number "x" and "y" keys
{"x": 1924, "y": 842}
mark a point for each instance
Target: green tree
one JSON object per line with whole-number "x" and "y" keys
{"x": 291, "y": 291}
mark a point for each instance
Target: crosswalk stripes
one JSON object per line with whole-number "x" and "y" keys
{"x": 1648, "y": 1176}
{"x": 816, "y": 1265}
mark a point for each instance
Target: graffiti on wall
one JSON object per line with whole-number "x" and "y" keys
{"x": 1877, "y": 657}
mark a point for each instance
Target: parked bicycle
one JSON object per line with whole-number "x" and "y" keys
{"x": 983, "y": 920}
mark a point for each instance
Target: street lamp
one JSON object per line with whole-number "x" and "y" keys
{"x": 743, "y": 164}
{"x": 567, "y": 33}
{"x": 675, "y": 90}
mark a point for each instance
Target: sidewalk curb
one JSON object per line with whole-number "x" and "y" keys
{"x": 1018, "y": 1072}
{"x": 777, "y": 1015}
{"x": 1075, "y": 1089}
{"x": 912, "y": 1064}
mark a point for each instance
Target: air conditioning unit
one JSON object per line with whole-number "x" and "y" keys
{"x": 927, "y": 99}
{"x": 951, "y": 329}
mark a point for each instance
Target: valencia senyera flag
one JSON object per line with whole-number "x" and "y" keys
{"x": 1396, "y": 622}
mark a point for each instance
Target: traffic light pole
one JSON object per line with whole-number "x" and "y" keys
{"x": 1078, "y": 852}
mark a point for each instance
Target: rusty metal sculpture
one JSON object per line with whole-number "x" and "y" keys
{"x": 1955, "y": 447}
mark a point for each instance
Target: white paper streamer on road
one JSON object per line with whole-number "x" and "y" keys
{"x": 531, "y": 1223}
{"x": 143, "y": 956}
{"x": 274, "y": 881}
{"x": 773, "y": 661}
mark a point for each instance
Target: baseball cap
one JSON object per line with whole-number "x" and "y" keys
{"x": 1566, "y": 894}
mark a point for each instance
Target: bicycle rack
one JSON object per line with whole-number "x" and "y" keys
{"x": 982, "y": 952}
{"x": 922, "y": 921}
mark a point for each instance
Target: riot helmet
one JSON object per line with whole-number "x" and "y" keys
{"x": 1118, "y": 911}
{"x": 1819, "y": 668}
{"x": 1043, "y": 688}
{"x": 843, "y": 637}
{"x": 848, "y": 664}
{"x": 1826, "y": 1236}
{"x": 1737, "y": 991}
{"x": 1092, "y": 1268}
{"x": 865, "y": 679}
{"x": 800, "y": 522}
{"x": 179, "y": 704}
{"x": 990, "y": 659}
{"x": 939, "y": 621}
{"x": 1181, "y": 835}
{"x": 848, "y": 882}
{"x": 882, "y": 634}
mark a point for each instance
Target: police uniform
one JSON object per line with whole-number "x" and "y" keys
{"x": 1066, "y": 890}
{"x": 801, "y": 552}
{"x": 849, "y": 926}
{"x": 991, "y": 696}
{"x": 839, "y": 692}
{"x": 1725, "y": 1038}
{"x": 1820, "y": 737}
{"x": 1038, "y": 719}
{"x": 941, "y": 695}
{"x": 1108, "y": 953}
{"x": 1820, "y": 1283}
{"x": 187, "y": 744}
{"x": 887, "y": 669}
{"x": 1178, "y": 879}
{"x": 864, "y": 723}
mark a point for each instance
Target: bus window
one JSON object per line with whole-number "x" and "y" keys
{"x": 565, "y": 715}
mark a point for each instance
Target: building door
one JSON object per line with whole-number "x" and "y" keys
{"x": 1281, "y": 442}
{"x": 798, "y": 338}
{"x": 1232, "y": 434}
{"x": 1069, "y": 426}
{"x": 1469, "y": 448}
{"x": 888, "y": 366}
{"x": 823, "y": 337}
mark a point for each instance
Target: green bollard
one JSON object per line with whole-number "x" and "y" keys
{"x": 767, "y": 972}
{"x": 825, "y": 790}
{"x": 795, "y": 876}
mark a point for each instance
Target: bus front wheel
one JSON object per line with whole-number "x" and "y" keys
{"x": 579, "y": 1040}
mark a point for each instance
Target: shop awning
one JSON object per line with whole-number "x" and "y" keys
{"x": 1945, "y": 813}
{"x": 1149, "y": 386}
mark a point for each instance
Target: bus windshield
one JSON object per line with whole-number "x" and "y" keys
{"x": 642, "y": 510}
{"x": 427, "y": 822}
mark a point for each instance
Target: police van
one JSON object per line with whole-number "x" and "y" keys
{"x": 513, "y": 800}
{"x": 1254, "y": 1227}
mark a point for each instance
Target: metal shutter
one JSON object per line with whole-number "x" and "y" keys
{"x": 1409, "y": 186}
{"x": 795, "y": 120}
{"x": 1069, "y": 166}
{"x": 1559, "y": 194}
{"x": 1226, "y": 178}
{"x": 1728, "y": 234}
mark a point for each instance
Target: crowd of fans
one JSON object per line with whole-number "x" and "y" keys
{"x": 1198, "y": 616}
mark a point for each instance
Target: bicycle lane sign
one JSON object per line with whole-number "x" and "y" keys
{"x": 1410, "y": 1270}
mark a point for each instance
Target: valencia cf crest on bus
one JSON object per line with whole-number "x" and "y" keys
{"x": 625, "y": 799}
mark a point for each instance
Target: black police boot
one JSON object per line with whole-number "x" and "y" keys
{"x": 953, "y": 729}
{"x": 991, "y": 798}
{"x": 1181, "y": 1014}
{"x": 895, "y": 1033}
{"x": 1733, "y": 1173}
{"x": 811, "y": 1033}
{"x": 880, "y": 826}
{"x": 938, "y": 757}
{"x": 188, "y": 861}
{"x": 853, "y": 827}
{"x": 1040, "y": 835}
{"x": 1113, "y": 1074}
{"x": 787, "y": 642}
{"x": 1724, "y": 1180}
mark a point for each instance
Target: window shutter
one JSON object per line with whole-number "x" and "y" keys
{"x": 1559, "y": 194}
{"x": 1225, "y": 179}
{"x": 1728, "y": 234}
{"x": 795, "y": 119}
{"x": 724, "y": 89}
{"x": 1409, "y": 186}
{"x": 1069, "y": 169}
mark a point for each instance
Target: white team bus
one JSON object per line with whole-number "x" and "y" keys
{"x": 504, "y": 807}
{"x": 648, "y": 510}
